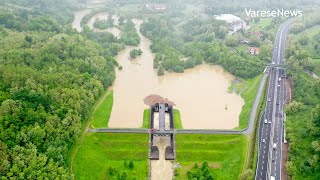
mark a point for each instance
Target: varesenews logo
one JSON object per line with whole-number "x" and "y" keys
{"x": 273, "y": 13}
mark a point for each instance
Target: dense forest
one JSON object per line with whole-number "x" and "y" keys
{"x": 50, "y": 77}
{"x": 303, "y": 113}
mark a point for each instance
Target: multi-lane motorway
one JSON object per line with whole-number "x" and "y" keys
{"x": 271, "y": 122}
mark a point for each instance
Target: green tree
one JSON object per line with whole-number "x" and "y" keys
{"x": 160, "y": 71}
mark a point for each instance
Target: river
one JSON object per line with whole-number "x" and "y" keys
{"x": 199, "y": 93}
{"x": 78, "y": 16}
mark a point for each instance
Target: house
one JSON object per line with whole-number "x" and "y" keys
{"x": 258, "y": 34}
{"x": 254, "y": 50}
{"x": 156, "y": 7}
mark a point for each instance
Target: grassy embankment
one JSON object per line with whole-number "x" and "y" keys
{"x": 249, "y": 95}
{"x": 224, "y": 153}
{"x": 250, "y": 88}
{"x": 176, "y": 117}
{"x": 102, "y": 114}
{"x": 101, "y": 151}
{"x": 77, "y": 144}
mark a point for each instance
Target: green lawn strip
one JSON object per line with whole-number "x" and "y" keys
{"x": 100, "y": 151}
{"x": 249, "y": 95}
{"x": 146, "y": 118}
{"x": 224, "y": 153}
{"x": 176, "y": 117}
{"x": 102, "y": 114}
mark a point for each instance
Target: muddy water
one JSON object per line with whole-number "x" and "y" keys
{"x": 199, "y": 93}
{"x": 78, "y": 16}
{"x": 104, "y": 16}
{"x": 161, "y": 169}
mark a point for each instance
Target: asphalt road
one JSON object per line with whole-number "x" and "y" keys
{"x": 271, "y": 123}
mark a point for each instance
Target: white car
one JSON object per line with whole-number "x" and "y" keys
{"x": 263, "y": 140}
{"x": 269, "y": 99}
{"x": 274, "y": 146}
{"x": 265, "y": 121}
{"x": 269, "y": 122}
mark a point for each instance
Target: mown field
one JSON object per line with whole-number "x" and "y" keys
{"x": 101, "y": 151}
{"x": 224, "y": 153}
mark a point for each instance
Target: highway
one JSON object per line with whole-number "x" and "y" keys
{"x": 271, "y": 123}
{"x": 270, "y": 130}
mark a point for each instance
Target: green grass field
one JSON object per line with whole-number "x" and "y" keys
{"x": 249, "y": 95}
{"x": 224, "y": 153}
{"x": 146, "y": 117}
{"x": 100, "y": 151}
{"x": 176, "y": 117}
{"x": 102, "y": 114}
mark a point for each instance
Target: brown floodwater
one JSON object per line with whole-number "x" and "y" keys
{"x": 161, "y": 169}
{"x": 78, "y": 16}
{"x": 199, "y": 93}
